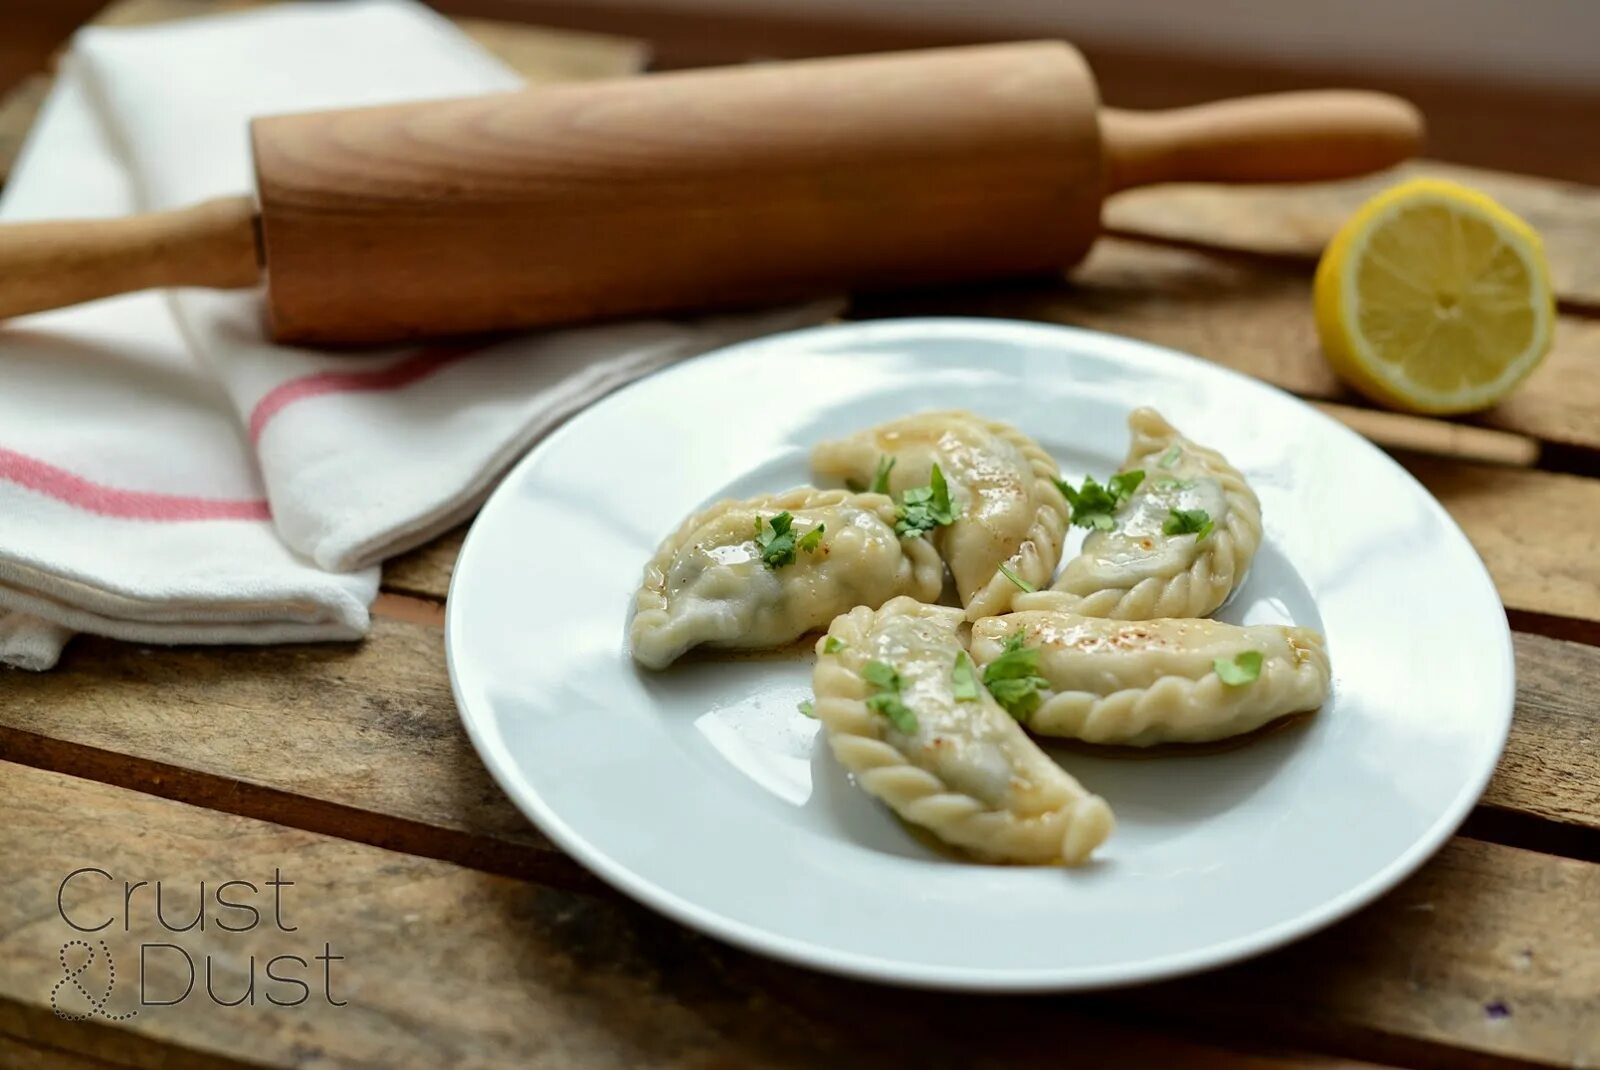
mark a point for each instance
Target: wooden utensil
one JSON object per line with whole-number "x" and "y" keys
{"x": 692, "y": 190}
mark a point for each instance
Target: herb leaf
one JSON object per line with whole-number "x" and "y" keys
{"x": 1013, "y": 678}
{"x": 806, "y": 708}
{"x": 1123, "y": 484}
{"x": 1196, "y": 522}
{"x": 812, "y": 539}
{"x": 1022, "y": 584}
{"x": 924, "y": 508}
{"x": 775, "y": 540}
{"x": 1093, "y": 506}
{"x": 899, "y": 714}
{"x": 1170, "y": 457}
{"x": 880, "y": 479}
{"x": 963, "y": 682}
{"x": 881, "y": 676}
{"x": 832, "y": 645}
{"x": 1243, "y": 668}
{"x": 886, "y": 696}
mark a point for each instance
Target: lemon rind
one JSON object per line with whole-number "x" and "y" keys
{"x": 1375, "y": 376}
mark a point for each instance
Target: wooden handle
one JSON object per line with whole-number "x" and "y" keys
{"x": 1283, "y": 137}
{"x": 54, "y": 264}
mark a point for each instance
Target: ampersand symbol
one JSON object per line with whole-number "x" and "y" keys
{"x": 71, "y": 974}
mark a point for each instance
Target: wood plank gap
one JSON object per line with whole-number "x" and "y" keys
{"x": 1568, "y": 459}
{"x": 547, "y": 867}
{"x": 1511, "y": 828}
{"x": 400, "y": 588}
{"x": 1554, "y": 626}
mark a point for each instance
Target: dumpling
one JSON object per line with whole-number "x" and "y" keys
{"x": 730, "y": 578}
{"x": 1010, "y": 513}
{"x": 1139, "y": 683}
{"x": 888, "y": 695}
{"x": 1154, "y": 563}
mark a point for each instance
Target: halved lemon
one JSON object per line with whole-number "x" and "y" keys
{"x": 1433, "y": 298}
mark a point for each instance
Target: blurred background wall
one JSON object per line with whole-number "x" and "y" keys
{"x": 1518, "y": 41}
{"x": 1509, "y": 84}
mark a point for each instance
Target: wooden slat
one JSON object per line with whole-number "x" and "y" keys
{"x": 1537, "y": 531}
{"x": 409, "y": 608}
{"x": 17, "y": 1054}
{"x": 1255, "y": 318}
{"x": 144, "y": 12}
{"x": 18, "y": 109}
{"x": 361, "y": 739}
{"x": 364, "y": 741}
{"x": 426, "y": 570}
{"x": 1441, "y": 438}
{"x": 444, "y": 966}
{"x": 1475, "y": 952}
{"x": 1298, "y": 221}
{"x": 1551, "y": 768}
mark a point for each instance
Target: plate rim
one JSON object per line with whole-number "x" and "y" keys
{"x": 813, "y": 955}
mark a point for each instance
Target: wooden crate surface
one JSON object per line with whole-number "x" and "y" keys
{"x": 470, "y": 940}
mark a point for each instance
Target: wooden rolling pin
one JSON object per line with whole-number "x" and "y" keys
{"x": 693, "y": 190}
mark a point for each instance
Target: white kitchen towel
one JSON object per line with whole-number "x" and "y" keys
{"x": 167, "y": 474}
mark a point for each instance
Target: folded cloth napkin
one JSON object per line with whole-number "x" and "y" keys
{"x": 167, "y": 474}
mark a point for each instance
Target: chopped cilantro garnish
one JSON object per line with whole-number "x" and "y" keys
{"x": 924, "y": 508}
{"x": 1093, "y": 506}
{"x": 880, "y": 478}
{"x": 811, "y": 539}
{"x": 775, "y": 540}
{"x": 886, "y": 697}
{"x": 1241, "y": 669}
{"x": 963, "y": 682}
{"x": 1123, "y": 484}
{"x": 898, "y": 712}
{"x": 1013, "y": 678}
{"x": 1022, "y": 584}
{"x": 1196, "y": 522}
{"x": 1170, "y": 457}
{"x": 832, "y": 645}
{"x": 881, "y": 675}
{"x": 806, "y": 708}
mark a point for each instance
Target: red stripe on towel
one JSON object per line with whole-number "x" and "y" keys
{"x": 58, "y": 483}
{"x": 401, "y": 373}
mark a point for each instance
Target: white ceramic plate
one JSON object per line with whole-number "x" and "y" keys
{"x": 701, "y": 792}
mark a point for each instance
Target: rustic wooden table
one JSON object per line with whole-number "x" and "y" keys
{"x": 337, "y": 781}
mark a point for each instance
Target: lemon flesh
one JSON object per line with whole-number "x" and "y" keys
{"x": 1433, "y": 298}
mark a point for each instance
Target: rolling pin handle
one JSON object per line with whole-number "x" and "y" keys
{"x": 1279, "y": 137}
{"x": 58, "y": 263}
